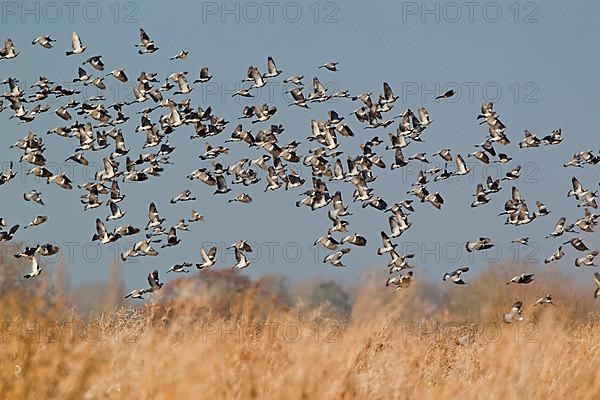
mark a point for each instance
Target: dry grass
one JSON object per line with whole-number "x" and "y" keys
{"x": 394, "y": 346}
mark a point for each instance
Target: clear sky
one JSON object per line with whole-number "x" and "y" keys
{"x": 536, "y": 61}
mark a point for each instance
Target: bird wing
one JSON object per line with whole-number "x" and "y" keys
{"x": 204, "y": 256}
{"x": 387, "y": 91}
{"x": 318, "y": 87}
{"x": 114, "y": 208}
{"x": 115, "y": 191}
{"x": 576, "y": 185}
{"x": 560, "y": 224}
{"x": 153, "y": 212}
{"x": 423, "y": 115}
{"x": 460, "y": 163}
{"x": 516, "y": 195}
{"x": 144, "y": 38}
{"x": 271, "y": 67}
{"x": 183, "y": 83}
{"x": 153, "y": 279}
{"x": 75, "y": 41}
{"x": 399, "y": 157}
{"x": 239, "y": 256}
{"x": 100, "y": 228}
{"x": 14, "y": 229}
{"x": 108, "y": 166}
{"x": 221, "y": 182}
{"x": 212, "y": 252}
{"x": 385, "y": 239}
{"x": 34, "y": 264}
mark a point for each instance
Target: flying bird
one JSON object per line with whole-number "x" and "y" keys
{"x": 44, "y": 41}
{"x": 523, "y": 278}
{"x": 335, "y": 258}
{"x": 208, "y": 258}
{"x": 587, "y": 260}
{"x": 557, "y": 255}
{"x": 455, "y": 276}
{"x": 400, "y": 281}
{"x": 76, "y": 46}
{"x": 547, "y": 299}
{"x": 9, "y": 51}
{"x": 446, "y": 95}
{"x": 204, "y": 76}
{"x": 515, "y": 314}
{"x": 146, "y": 45}
{"x": 331, "y": 66}
{"x": 178, "y": 268}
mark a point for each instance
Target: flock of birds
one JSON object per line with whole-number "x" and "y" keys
{"x": 281, "y": 161}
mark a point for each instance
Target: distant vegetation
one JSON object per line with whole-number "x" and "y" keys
{"x": 219, "y": 334}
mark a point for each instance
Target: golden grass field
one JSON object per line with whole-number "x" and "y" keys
{"x": 222, "y": 336}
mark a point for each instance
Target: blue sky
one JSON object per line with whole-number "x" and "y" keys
{"x": 536, "y": 60}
